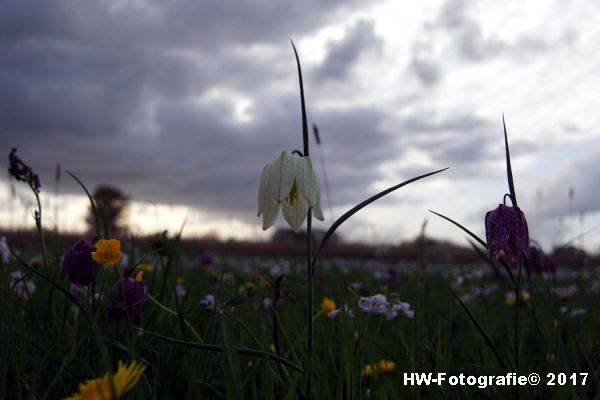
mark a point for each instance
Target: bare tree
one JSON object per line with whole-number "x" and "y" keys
{"x": 113, "y": 209}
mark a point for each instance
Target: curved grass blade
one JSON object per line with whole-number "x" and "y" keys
{"x": 216, "y": 348}
{"x": 103, "y": 215}
{"x": 302, "y": 104}
{"x": 480, "y": 241}
{"x": 486, "y": 338}
{"x": 96, "y": 222}
{"x": 362, "y": 205}
{"x": 509, "y": 175}
{"x": 64, "y": 291}
{"x": 485, "y": 258}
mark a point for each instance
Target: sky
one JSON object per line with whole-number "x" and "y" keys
{"x": 181, "y": 104}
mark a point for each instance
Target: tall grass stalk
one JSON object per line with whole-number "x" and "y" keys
{"x": 309, "y": 264}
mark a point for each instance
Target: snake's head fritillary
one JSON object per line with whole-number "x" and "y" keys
{"x": 506, "y": 230}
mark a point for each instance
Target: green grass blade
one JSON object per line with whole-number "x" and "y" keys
{"x": 485, "y": 336}
{"x": 362, "y": 205}
{"x": 480, "y": 241}
{"x": 219, "y": 349}
{"x": 94, "y": 210}
{"x": 230, "y": 367}
{"x": 302, "y": 104}
{"x": 55, "y": 285}
{"x": 509, "y": 174}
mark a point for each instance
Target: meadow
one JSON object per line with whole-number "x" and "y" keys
{"x": 81, "y": 319}
{"x": 50, "y": 341}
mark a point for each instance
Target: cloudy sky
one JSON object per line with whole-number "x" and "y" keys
{"x": 182, "y": 103}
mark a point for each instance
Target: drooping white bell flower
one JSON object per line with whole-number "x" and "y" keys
{"x": 289, "y": 183}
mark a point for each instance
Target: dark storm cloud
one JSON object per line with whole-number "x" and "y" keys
{"x": 354, "y": 145}
{"x": 464, "y": 143}
{"x": 342, "y": 54}
{"x": 113, "y": 91}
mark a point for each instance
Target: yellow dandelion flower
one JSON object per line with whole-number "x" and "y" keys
{"x": 385, "y": 366}
{"x": 110, "y": 386}
{"x": 328, "y": 305}
{"x": 369, "y": 369}
{"x": 108, "y": 252}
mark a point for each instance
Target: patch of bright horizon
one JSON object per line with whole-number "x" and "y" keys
{"x": 68, "y": 213}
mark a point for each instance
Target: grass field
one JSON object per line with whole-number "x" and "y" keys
{"x": 51, "y": 346}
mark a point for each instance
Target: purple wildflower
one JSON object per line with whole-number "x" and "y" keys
{"x": 506, "y": 229}
{"x": 206, "y": 257}
{"x": 129, "y": 296}
{"x": 538, "y": 262}
{"x": 78, "y": 265}
{"x": 392, "y": 275}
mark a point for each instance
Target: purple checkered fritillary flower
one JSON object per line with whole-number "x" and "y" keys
{"x": 78, "y": 265}
{"x": 506, "y": 230}
{"x": 129, "y": 297}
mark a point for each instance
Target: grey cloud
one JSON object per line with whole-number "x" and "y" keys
{"x": 460, "y": 38}
{"x": 428, "y": 72}
{"x": 342, "y": 54}
{"x": 580, "y": 175}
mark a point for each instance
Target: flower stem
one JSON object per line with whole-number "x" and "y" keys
{"x": 38, "y": 224}
{"x": 311, "y": 291}
{"x": 309, "y": 263}
{"x": 517, "y": 322}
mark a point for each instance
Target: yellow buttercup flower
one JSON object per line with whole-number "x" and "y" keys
{"x": 368, "y": 369}
{"x": 385, "y": 366}
{"x": 108, "y": 252}
{"x": 328, "y": 305}
{"x": 146, "y": 267}
{"x": 110, "y": 386}
{"x": 382, "y": 366}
